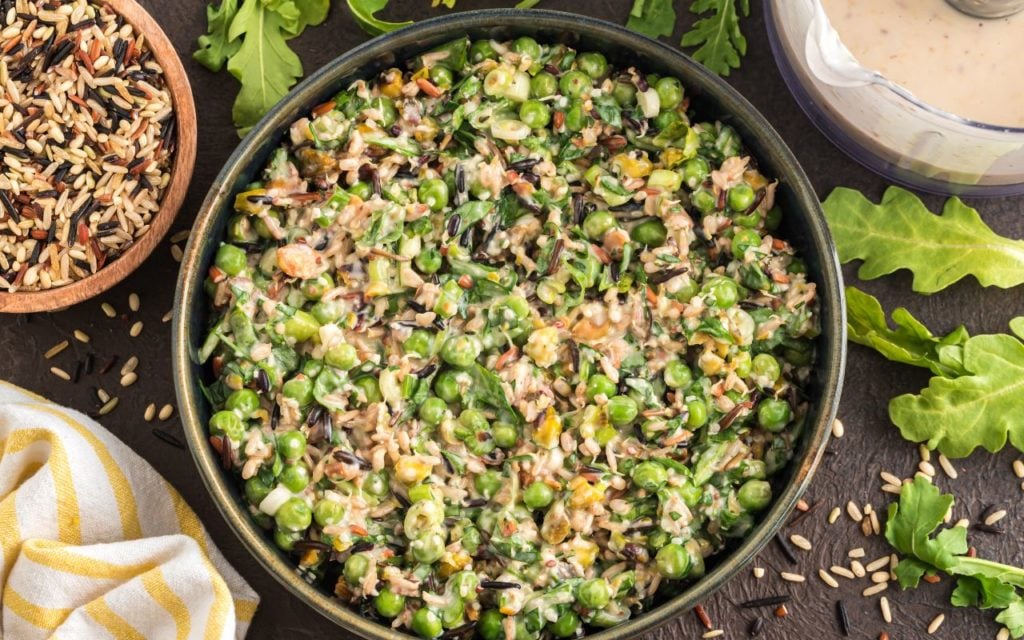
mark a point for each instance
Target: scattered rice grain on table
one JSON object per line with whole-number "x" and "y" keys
{"x": 82, "y": 336}
{"x": 947, "y": 467}
{"x": 800, "y": 542}
{"x": 108, "y": 310}
{"x": 86, "y": 159}
{"x": 834, "y": 515}
{"x": 858, "y": 569}
{"x": 108, "y": 407}
{"x": 129, "y": 379}
{"x": 936, "y": 623}
{"x": 827, "y": 578}
{"x": 758, "y": 572}
{"x": 838, "y": 430}
{"x": 133, "y": 301}
{"x": 876, "y": 589}
{"x": 883, "y": 604}
{"x": 856, "y": 553}
{"x": 854, "y": 511}
{"x": 136, "y": 329}
{"x": 55, "y": 349}
{"x": 150, "y": 412}
{"x": 995, "y": 517}
{"x": 792, "y": 577}
{"x": 842, "y": 571}
{"x": 60, "y": 373}
{"x": 878, "y": 564}
{"x": 1018, "y": 468}
{"x": 166, "y": 411}
{"x": 130, "y": 365}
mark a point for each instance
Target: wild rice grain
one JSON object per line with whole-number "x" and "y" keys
{"x": 800, "y": 541}
{"x": 150, "y": 412}
{"x": 792, "y": 577}
{"x": 166, "y": 411}
{"x": 1018, "y": 468}
{"x": 936, "y": 623}
{"x": 883, "y": 604}
{"x": 844, "y": 618}
{"x": 853, "y": 511}
{"x": 55, "y": 349}
{"x": 136, "y": 329}
{"x": 995, "y": 517}
{"x": 133, "y": 301}
{"x": 842, "y": 571}
{"x": 108, "y": 407}
{"x": 827, "y": 578}
{"x": 81, "y": 336}
{"x": 838, "y": 430}
{"x": 60, "y": 373}
{"x": 947, "y": 467}
{"x": 875, "y": 589}
{"x": 129, "y": 379}
{"x": 834, "y": 515}
{"x": 108, "y": 310}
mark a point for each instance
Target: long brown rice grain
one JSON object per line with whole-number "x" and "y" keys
{"x": 858, "y": 569}
{"x": 150, "y": 412}
{"x": 995, "y": 517}
{"x": 1003, "y": 634}
{"x": 842, "y": 572}
{"x": 180, "y": 236}
{"x": 166, "y": 411}
{"x": 108, "y": 310}
{"x": 102, "y": 395}
{"x": 889, "y": 478}
{"x": 854, "y": 511}
{"x": 82, "y": 336}
{"x": 60, "y": 373}
{"x": 876, "y": 526}
{"x": 883, "y": 604}
{"x": 936, "y": 623}
{"x": 927, "y": 468}
{"x": 133, "y": 301}
{"x": 875, "y": 589}
{"x": 55, "y": 349}
{"x": 892, "y": 488}
{"x": 136, "y": 329}
{"x": 875, "y": 565}
{"x": 108, "y": 407}
{"x": 714, "y": 633}
{"x": 792, "y": 577}
{"x": 176, "y": 253}
{"x": 800, "y": 541}
{"x": 130, "y": 365}
{"x": 947, "y": 467}
{"x": 827, "y": 578}
{"x": 129, "y": 379}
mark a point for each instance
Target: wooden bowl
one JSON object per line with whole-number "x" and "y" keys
{"x": 181, "y": 172}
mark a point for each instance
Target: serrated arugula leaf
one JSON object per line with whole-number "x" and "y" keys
{"x": 1017, "y": 327}
{"x": 1012, "y": 617}
{"x": 900, "y": 233}
{"x": 214, "y": 46}
{"x": 652, "y": 18}
{"x": 920, "y": 511}
{"x": 980, "y": 408}
{"x": 363, "y": 11}
{"x": 983, "y": 593}
{"x": 910, "y": 343}
{"x": 718, "y": 37}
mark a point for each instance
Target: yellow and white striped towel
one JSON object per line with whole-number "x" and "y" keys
{"x": 96, "y": 544}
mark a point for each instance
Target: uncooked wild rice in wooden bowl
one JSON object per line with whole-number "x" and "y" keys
{"x": 90, "y": 133}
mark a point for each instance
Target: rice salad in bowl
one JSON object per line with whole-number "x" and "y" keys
{"x": 504, "y": 342}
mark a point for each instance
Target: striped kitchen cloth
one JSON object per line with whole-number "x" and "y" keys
{"x": 96, "y": 544}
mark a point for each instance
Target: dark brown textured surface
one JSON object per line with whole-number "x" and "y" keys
{"x": 871, "y": 442}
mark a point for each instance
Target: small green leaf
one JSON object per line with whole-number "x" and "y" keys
{"x": 652, "y": 18}
{"x": 1017, "y": 327}
{"x": 900, "y": 233}
{"x": 921, "y": 509}
{"x": 215, "y": 47}
{"x": 363, "y": 11}
{"x": 1013, "y": 619}
{"x": 718, "y": 38}
{"x": 983, "y": 593}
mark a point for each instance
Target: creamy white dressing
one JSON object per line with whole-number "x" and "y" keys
{"x": 971, "y": 67}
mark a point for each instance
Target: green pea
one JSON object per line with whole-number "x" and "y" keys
{"x": 773, "y": 219}
{"x": 294, "y": 515}
{"x": 425, "y": 623}
{"x": 649, "y": 475}
{"x": 575, "y": 117}
{"x": 538, "y": 495}
{"x": 666, "y": 118}
{"x": 441, "y": 76}
{"x": 291, "y": 445}
{"x": 724, "y": 292}
{"x": 256, "y": 490}
{"x": 227, "y": 423}
{"x": 434, "y": 194}
{"x": 315, "y": 288}
{"x": 535, "y": 114}
{"x": 421, "y": 492}
{"x": 697, "y": 414}
{"x": 657, "y": 538}
{"x": 299, "y": 389}
{"x": 376, "y": 483}
{"x": 622, "y": 410}
{"x": 575, "y": 84}
{"x": 452, "y": 615}
{"x": 592, "y": 63}
{"x": 326, "y": 312}
{"x": 566, "y": 625}
{"x": 343, "y": 356}
{"x": 773, "y": 414}
{"x": 796, "y": 265}
{"x": 677, "y": 374}
{"x": 624, "y": 93}
{"x": 385, "y": 106}
{"x": 432, "y": 410}
{"x": 740, "y": 197}
{"x": 388, "y": 603}
{"x": 488, "y": 483}
{"x": 429, "y": 260}
{"x": 482, "y": 50}
{"x": 261, "y": 226}
{"x": 294, "y": 477}
{"x": 464, "y": 585}
{"x": 301, "y": 326}
{"x": 356, "y": 567}
{"x": 461, "y": 351}
{"x": 754, "y": 495}
{"x": 742, "y": 364}
{"x": 491, "y": 626}
{"x": 766, "y": 366}
{"x": 505, "y": 435}
{"x": 362, "y": 190}
{"x": 543, "y": 85}
{"x": 704, "y": 200}
{"x": 419, "y": 342}
{"x": 327, "y": 512}
{"x": 695, "y": 171}
{"x": 312, "y": 368}
{"x": 447, "y": 387}
{"x": 744, "y": 239}
{"x": 600, "y": 384}
{"x": 286, "y": 539}
{"x": 230, "y": 259}
{"x": 473, "y": 420}
{"x": 240, "y": 229}
{"x": 650, "y": 233}
{"x": 369, "y": 387}
{"x": 243, "y": 401}
{"x": 594, "y": 593}
{"x": 670, "y": 92}
{"x": 527, "y": 46}
{"x": 428, "y": 548}
{"x": 599, "y": 223}
{"x": 673, "y": 561}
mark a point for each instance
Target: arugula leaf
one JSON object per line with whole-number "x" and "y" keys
{"x": 215, "y": 47}
{"x": 900, "y": 233}
{"x": 487, "y": 389}
{"x": 652, "y": 18}
{"x": 980, "y": 408}
{"x": 911, "y": 343}
{"x": 1017, "y": 327}
{"x": 980, "y": 583}
{"x": 363, "y": 10}
{"x": 718, "y": 36}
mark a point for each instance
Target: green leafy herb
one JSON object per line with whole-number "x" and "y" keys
{"x": 718, "y": 38}
{"x": 900, "y": 233}
{"x": 910, "y": 343}
{"x": 251, "y": 39}
{"x": 363, "y": 11}
{"x": 652, "y": 18}
{"x": 980, "y": 583}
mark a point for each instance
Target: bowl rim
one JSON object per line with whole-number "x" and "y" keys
{"x": 832, "y": 345}
{"x": 182, "y": 166}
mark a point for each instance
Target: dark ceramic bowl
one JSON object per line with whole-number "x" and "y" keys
{"x": 804, "y": 226}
